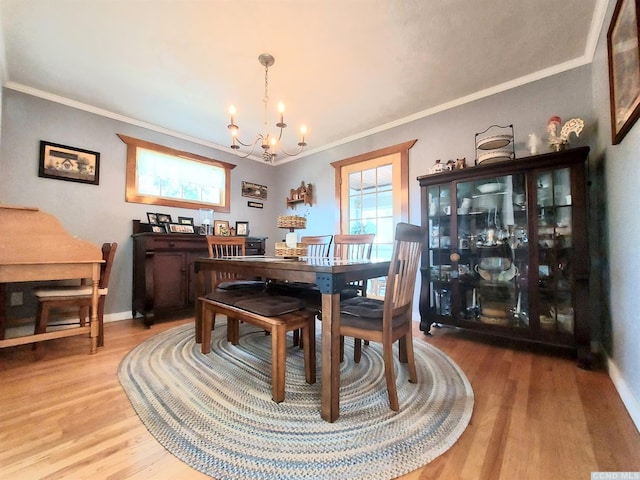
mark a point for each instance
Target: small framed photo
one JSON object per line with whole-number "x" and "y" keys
{"x": 242, "y": 229}
{"x": 624, "y": 68}
{"x": 180, "y": 228}
{"x": 164, "y": 218}
{"x": 185, "y": 220}
{"x": 153, "y": 218}
{"x": 158, "y": 229}
{"x": 69, "y": 163}
{"x": 221, "y": 227}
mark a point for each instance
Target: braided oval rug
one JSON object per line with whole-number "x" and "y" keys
{"x": 215, "y": 412}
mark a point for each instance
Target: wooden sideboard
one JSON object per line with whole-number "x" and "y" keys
{"x": 163, "y": 275}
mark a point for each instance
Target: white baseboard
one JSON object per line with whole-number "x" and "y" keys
{"x": 631, "y": 403}
{"x": 117, "y": 317}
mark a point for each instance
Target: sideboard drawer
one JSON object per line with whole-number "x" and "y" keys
{"x": 193, "y": 243}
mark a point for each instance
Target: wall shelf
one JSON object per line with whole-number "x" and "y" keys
{"x": 302, "y": 195}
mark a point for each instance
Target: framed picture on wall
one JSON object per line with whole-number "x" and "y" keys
{"x": 624, "y": 68}
{"x": 69, "y": 163}
{"x": 254, "y": 190}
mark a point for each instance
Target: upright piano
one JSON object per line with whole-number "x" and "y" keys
{"x": 35, "y": 246}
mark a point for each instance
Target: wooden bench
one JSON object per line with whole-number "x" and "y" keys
{"x": 277, "y": 325}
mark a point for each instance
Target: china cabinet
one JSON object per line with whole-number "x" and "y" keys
{"x": 507, "y": 250}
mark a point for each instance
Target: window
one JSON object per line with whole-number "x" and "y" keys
{"x": 160, "y": 175}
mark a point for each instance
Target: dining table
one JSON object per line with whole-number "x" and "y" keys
{"x": 330, "y": 275}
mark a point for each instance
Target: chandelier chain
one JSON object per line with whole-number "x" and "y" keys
{"x": 265, "y": 100}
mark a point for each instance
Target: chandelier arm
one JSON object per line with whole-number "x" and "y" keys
{"x": 253, "y": 147}
{"x": 291, "y": 154}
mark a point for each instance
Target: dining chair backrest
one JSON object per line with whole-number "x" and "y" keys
{"x": 317, "y": 246}
{"x": 108, "y": 255}
{"x": 354, "y": 247}
{"x": 403, "y": 271}
{"x": 225, "y": 246}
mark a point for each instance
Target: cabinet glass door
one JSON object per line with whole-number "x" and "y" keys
{"x": 492, "y": 245}
{"x": 555, "y": 251}
{"x": 440, "y": 231}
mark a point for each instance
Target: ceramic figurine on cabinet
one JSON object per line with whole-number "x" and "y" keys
{"x": 461, "y": 163}
{"x": 437, "y": 167}
{"x": 574, "y": 125}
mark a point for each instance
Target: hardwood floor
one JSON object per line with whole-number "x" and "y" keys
{"x": 536, "y": 415}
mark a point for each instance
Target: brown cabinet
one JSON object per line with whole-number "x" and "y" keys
{"x": 507, "y": 250}
{"x": 163, "y": 275}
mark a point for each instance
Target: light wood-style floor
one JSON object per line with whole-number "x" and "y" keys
{"x": 536, "y": 415}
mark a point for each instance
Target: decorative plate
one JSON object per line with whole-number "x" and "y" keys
{"x": 493, "y": 142}
{"x": 495, "y": 156}
{"x": 492, "y": 187}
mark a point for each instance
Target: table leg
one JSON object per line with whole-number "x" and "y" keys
{"x": 330, "y": 397}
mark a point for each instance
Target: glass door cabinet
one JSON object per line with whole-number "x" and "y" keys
{"x": 507, "y": 250}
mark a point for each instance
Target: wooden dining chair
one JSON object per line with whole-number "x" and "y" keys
{"x": 78, "y": 297}
{"x": 353, "y": 247}
{"x": 220, "y": 246}
{"x": 318, "y": 246}
{"x": 389, "y": 320}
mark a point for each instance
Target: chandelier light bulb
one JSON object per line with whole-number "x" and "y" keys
{"x": 303, "y": 132}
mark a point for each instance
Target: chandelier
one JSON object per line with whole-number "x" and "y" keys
{"x": 269, "y": 143}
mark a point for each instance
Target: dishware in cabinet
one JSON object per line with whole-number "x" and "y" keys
{"x": 507, "y": 252}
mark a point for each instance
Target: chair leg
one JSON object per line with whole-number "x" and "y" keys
{"x": 296, "y": 337}
{"x": 101, "y": 321}
{"x": 207, "y": 323}
{"x": 411, "y": 361}
{"x": 309, "y": 335}
{"x": 390, "y": 375}
{"x": 83, "y": 314}
{"x": 233, "y": 331}
{"x": 357, "y": 350}
{"x": 278, "y": 362}
{"x": 42, "y": 318}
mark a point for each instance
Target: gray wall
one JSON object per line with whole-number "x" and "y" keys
{"x": 618, "y": 190}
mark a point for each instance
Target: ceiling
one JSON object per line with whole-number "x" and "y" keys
{"x": 344, "y": 68}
